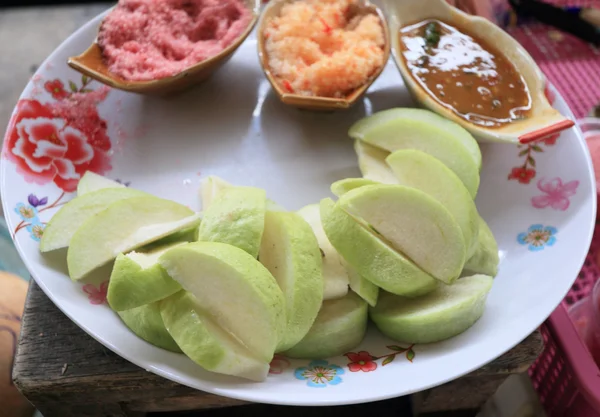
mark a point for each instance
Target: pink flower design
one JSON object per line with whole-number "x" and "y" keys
{"x": 49, "y": 143}
{"x": 278, "y": 365}
{"x": 96, "y": 296}
{"x": 556, "y": 194}
{"x": 57, "y": 89}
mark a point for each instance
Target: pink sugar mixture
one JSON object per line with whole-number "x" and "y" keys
{"x": 146, "y": 40}
{"x": 323, "y": 48}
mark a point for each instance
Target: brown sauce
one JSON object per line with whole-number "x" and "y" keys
{"x": 473, "y": 79}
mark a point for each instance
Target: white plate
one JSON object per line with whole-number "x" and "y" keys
{"x": 234, "y": 126}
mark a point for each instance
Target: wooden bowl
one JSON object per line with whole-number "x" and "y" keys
{"x": 543, "y": 119}
{"x": 91, "y": 63}
{"x": 273, "y": 9}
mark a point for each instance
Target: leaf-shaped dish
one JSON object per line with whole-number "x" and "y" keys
{"x": 273, "y": 9}
{"x": 542, "y": 120}
{"x": 92, "y": 64}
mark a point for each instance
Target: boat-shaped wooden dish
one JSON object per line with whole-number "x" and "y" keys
{"x": 273, "y": 9}
{"x": 542, "y": 120}
{"x": 92, "y": 64}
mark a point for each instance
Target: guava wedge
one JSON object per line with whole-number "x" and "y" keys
{"x": 236, "y": 290}
{"x": 340, "y": 327}
{"x": 371, "y": 162}
{"x": 182, "y": 236}
{"x": 417, "y": 122}
{"x": 371, "y": 256}
{"x": 212, "y": 185}
{"x": 122, "y": 227}
{"x": 236, "y": 216}
{"x": 362, "y": 286}
{"x": 341, "y": 187}
{"x": 486, "y": 259}
{"x": 419, "y": 170}
{"x": 414, "y": 223}
{"x": 207, "y": 344}
{"x": 137, "y": 279}
{"x": 406, "y": 128}
{"x": 90, "y": 181}
{"x": 145, "y": 321}
{"x": 210, "y": 188}
{"x": 65, "y": 222}
{"x": 439, "y": 315}
{"x": 290, "y": 251}
{"x": 334, "y": 274}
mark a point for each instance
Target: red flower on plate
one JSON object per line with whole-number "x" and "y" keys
{"x": 57, "y": 89}
{"x": 96, "y": 296}
{"x": 521, "y": 174}
{"x": 58, "y": 142}
{"x": 361, "y": 361}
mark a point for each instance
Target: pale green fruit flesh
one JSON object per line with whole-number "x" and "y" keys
{"x": 485, "y": 260}
{"x": 122, "y": 227}
{"x": 91, "y": 181}
{"x": 334, "y": 274}
{"x": 341, "y": 187}
{"x": 339, "y": 328}
{"x": 236, "y": 216}
{"x": 145, "y": 321}
{"x": 290, "y": 251}
{"x": 371, "y": 162}
{"x": 182, "y": 236}
{"x": 362, "y": 286}
{"x": 137, "y": 279}
{"x": 371, "y": 256}
{"x": 415, "y": 224}
{"x": 417, "y": 169}
{"x": 207, "y": 344}
{"x": 439, "y": 315}
{"x": 412, "y": 129}
{"x": 213, "y": 185}
{"x": 65, "y": 222}
{"x": 418, "y": 123}
{"x": 210, "y": 188}
{"x": 235, "y": 289}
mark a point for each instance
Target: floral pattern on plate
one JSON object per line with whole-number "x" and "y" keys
{"x": 58, "y": 141}
{"x": 538, "y": 237}
{"x": 527, "y": 171}
{"x": 319, "y": 374}
{"x": 556, "y": 194}
{"x": 363, "y": 361}
{"x": 96, "y": 294}
{"x": 29, "y": 213}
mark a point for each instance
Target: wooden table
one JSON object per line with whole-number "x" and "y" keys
{"x": 66, "y": 373}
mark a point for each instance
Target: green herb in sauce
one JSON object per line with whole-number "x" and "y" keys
{"x": 432, "y": 34}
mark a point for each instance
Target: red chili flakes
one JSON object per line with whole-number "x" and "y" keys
{"x": 338, "y": 19}
{"x": 327, "y": 28}
{"x": 288, "y": 86}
